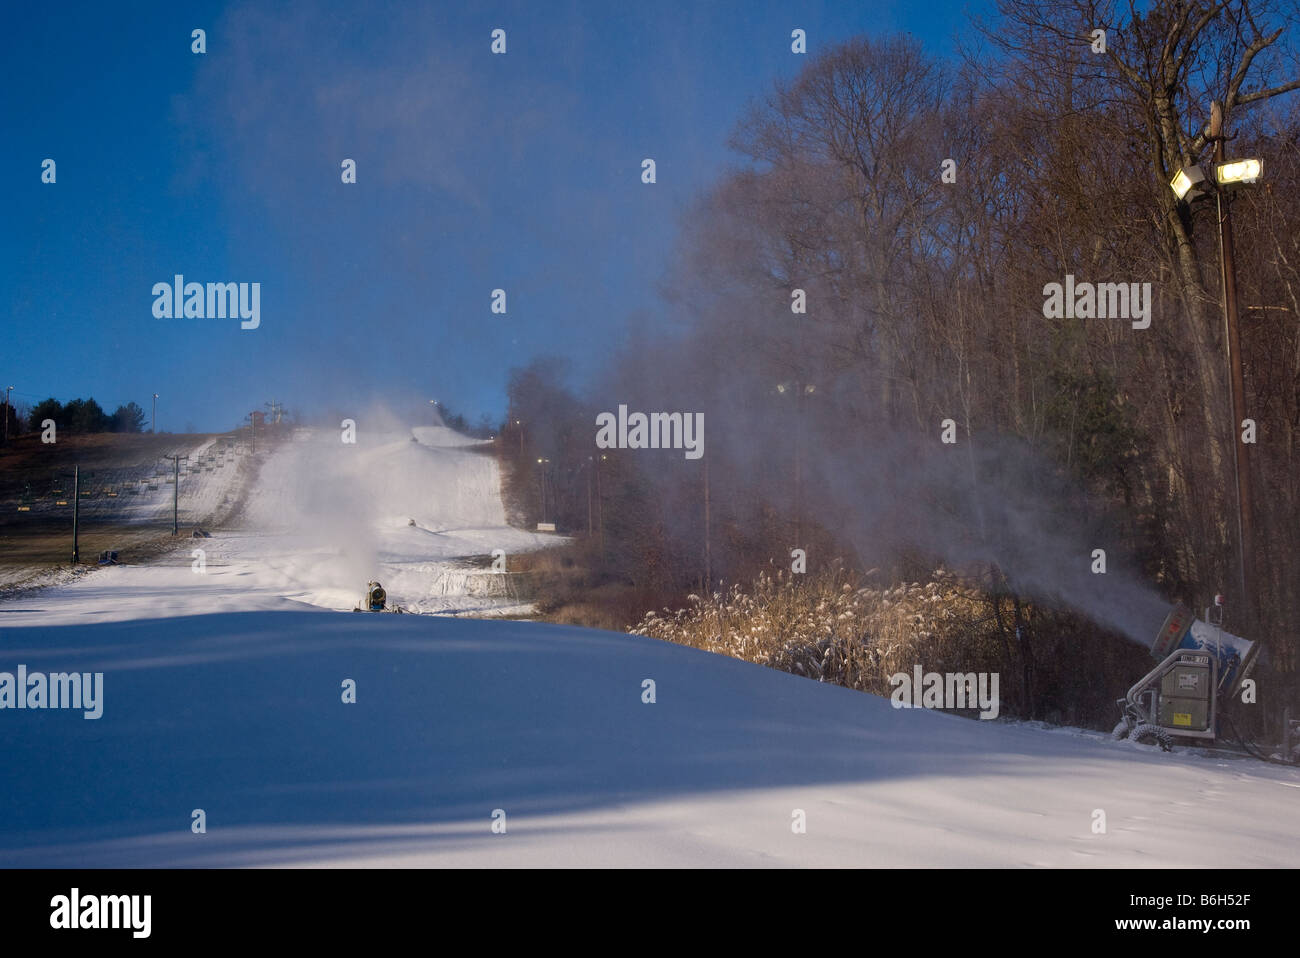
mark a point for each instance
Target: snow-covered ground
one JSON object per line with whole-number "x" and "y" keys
{"x": 322, "y": 519}
{"x": 210, "y": 478}
{"x": 142, "y": 492}
{"x": 224, "y": 691}
{"x": 241, "y": 715}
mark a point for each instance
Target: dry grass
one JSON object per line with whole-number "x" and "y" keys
{"x": 834, "y": 629}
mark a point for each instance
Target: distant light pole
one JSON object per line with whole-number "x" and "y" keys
{"x": 543, "y": 463}
{"x": 8, "y": 406}
{"x": 600, "y": 514}
{"x": 521, "y": 436}
{"x": 800, "y": 389}
{"x": 176, "y": 490}
{"x": 76, "y": 512}
{"x": 591, "y": 466}
{"x": 153, "y": 421}
{"x": 708, "y": 533}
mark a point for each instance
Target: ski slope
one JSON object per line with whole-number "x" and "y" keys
{"x": 223, "y": 691}
{"x": 321, "y": 519}
{"x": 399, "y": 506}
{"x": 241, "y": 715}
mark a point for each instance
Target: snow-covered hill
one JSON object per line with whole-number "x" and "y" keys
{"x": 223, "y": 692}
{"x": 401, "y": 507}
{"x": 322, "y": 519}
{"x": 241, "y": 715}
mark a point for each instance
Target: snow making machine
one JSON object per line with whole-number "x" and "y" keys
{"x": 1200, "y": 666}
{"x": 375, "y": 599}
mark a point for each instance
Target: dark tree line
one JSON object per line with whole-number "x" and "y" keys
{"x": 925, "y": 304}
{"x": 86, "y": 415}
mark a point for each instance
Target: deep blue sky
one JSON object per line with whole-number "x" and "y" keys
{"x": 474, "y": 172}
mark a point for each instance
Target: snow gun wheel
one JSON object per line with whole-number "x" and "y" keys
{"x": 1121, "y": 730}
{"x": 1153, "y": 735}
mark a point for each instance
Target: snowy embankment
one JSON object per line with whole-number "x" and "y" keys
{"x": 131, "y": 496}
{"x": 242, "y": 715}
{"x": 223, "y": 691}
{"x": 210, "y": 479}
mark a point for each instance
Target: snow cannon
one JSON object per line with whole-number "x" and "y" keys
{"x": 376, "y": 598}
{"x": 1182, "y": 630}
{"x": 1199, "y": 664}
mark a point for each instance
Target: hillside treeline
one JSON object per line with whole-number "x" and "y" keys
{"x": 81, "y": 416}
{"x": 858, "y": 309}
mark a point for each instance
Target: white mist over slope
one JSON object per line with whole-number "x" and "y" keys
{"x": 322, "y": 519}
{"x": 890, "y": 487}
{"x": 992, "y": 499}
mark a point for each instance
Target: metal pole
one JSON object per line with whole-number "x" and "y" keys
{"x": 708, "y": 545}
{"x": 600, "y": 514}
{"x": 8, "y": 405}
{"x": 176, "y": 494}
{"x": 798, "y": 466}
{"x": 76, "y": 506}
{"x": 153, "y": 419}
{"x": 1286, "y": 733}
{"x": 1240, "y": 451}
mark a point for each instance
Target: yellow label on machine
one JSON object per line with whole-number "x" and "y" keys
{"x": 1182, "y": 718}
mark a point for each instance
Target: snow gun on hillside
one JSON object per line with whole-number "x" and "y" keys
{"x": 1200, "y": 665}
{"x": 376, "y": 600}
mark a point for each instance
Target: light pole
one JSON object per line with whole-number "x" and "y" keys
{"x": 1191, "y": 183}
{"x": 543, "y": 463}
{"x": 591, "y": 466}
{"x": 800, "y": 389}
{"x": 76, "y": 512}
{"x": 153, "y": 420}
{"x": 600, "y": 513}
{"x": 176, "y": 490}
{"x": 708, "y": 533}
{"x": 8, "y": 406}
{"x": 521, "y": 436}
{"x": 1232, "y": 338}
